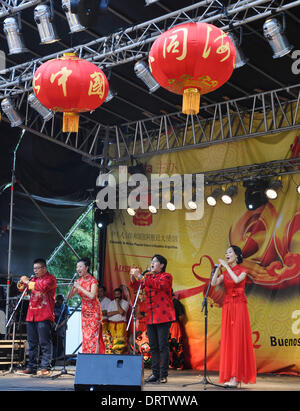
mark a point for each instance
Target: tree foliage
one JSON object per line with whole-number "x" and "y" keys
{"x": 63, "y": 266}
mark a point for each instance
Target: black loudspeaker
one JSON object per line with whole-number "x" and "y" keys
{"x": 109, "y": 372}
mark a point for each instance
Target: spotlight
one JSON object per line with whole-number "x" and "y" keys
{"x": 241, "y": 59}
{"x": 229, "y": 193}
{"x": 139, "y": 168}
{"x": 12, "y": 114}
{"x": 274, "y": 33}
{"x": 192, "y": 205}
{"x": 271, "y": 191}
{"x": 36, "y": 105}
{"x": 255, "y": 195}
{"x": 152, "y": 209}
{"x": 13, "y": 36}
{"x": 212, "y": 199}
{"x": 88, "y": 11}
{"x": 171, "y": 206}
{"x": 43, "y": 17}
{"x": 143, "y": 73}
{"x": 298, "y": 189}
{"x": 131, "y": 211}
{"x": 72, "y": 18}
{"x": 103, "y": 217}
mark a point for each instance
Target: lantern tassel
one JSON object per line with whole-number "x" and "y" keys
{"x": 70, "y": 122}
{"x": 191, "y": 101}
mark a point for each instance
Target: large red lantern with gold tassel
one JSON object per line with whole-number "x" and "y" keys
{"x": 70, "y": 85}
{"x": 192, "y": 59}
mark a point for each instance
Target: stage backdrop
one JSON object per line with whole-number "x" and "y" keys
{"x": 268, "y": 236}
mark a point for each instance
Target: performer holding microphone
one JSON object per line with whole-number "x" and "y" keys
{"x": 159, "y": 315}
{"x": 40, "y": 316}
{"x": 91, "y": 315}
{"x": 237, "y": 360}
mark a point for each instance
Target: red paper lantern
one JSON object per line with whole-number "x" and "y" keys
{"x": 192, "y": 59}
{"x": 70, "y": 85}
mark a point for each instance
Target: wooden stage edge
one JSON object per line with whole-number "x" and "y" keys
{"x": 179, "y": 381}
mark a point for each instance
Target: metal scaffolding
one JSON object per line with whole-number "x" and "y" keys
{"x": 260, "y": 114}
{"x": 10, "y": 7}
{"x": 106, "y": 146}
{"x": 133, "y": 42}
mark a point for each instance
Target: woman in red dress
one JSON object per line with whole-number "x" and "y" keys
{"x": 91, "y": 315}
{"x": 237, "y": 360}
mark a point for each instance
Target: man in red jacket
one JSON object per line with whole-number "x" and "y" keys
{"x": 40, "y": 316}
{"x": 159, "y": 315}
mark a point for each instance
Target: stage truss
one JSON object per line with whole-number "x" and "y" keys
{"x": 106, "y": 146}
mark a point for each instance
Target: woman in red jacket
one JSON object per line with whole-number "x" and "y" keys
{"x": 160, "y": 313}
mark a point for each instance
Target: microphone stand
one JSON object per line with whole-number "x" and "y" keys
{"x": 64, "y": 371}
{"x": 16, "y": 307}
{"x": 133, "y": 314}
{"x": 14, "y": 328}
{"x": 204, "y": 306}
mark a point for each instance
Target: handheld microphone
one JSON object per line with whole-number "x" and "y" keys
{"x": 31, "y": 277}
{"x": 215, "y": 268}
{"x": 142, "y": 275}
{"x": 146, "y": 271}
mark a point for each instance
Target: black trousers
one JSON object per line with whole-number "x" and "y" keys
{"x": 39, "y": 333}
{"x": 158, "y": 335}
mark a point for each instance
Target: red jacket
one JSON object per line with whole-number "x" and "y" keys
{"x": 42, "y": 299}
{"x": 158, "y": 289}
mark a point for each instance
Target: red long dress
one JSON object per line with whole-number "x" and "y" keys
{"x": 91, "y": 316}
{"x": 237, "y": 357}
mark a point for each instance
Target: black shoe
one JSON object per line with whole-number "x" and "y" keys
{"x": 163, "y": 380}
{"x": 151, "y": 378}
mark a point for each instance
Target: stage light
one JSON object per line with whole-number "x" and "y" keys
{"x": 228, "y": 194}
{"x": 171, "y": 206}
{"x": 192, "y": 205}
{"x": 241, "y": 59}
{"x": 43, "y": 17}
{"x": 274, "y": 33}
{"x": 37, "y": 105}
{"x": 298, "y": 189}
{"x": 143, "y": 73}
{"x": 152, "y": 209}
{"x": 271, "y": 191}
{"x": 103, "y": 218}
{"x": 131, "y": 211}
{"x": 10, "y": 111}
{"x": 255, "y": 195}
{"x": 13, "y": 36}
{"x": 72, "y": 18}
{"x": 89, "y": 11}
{"x": 212, "y": 198}
{"x": 139, "y": 168}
